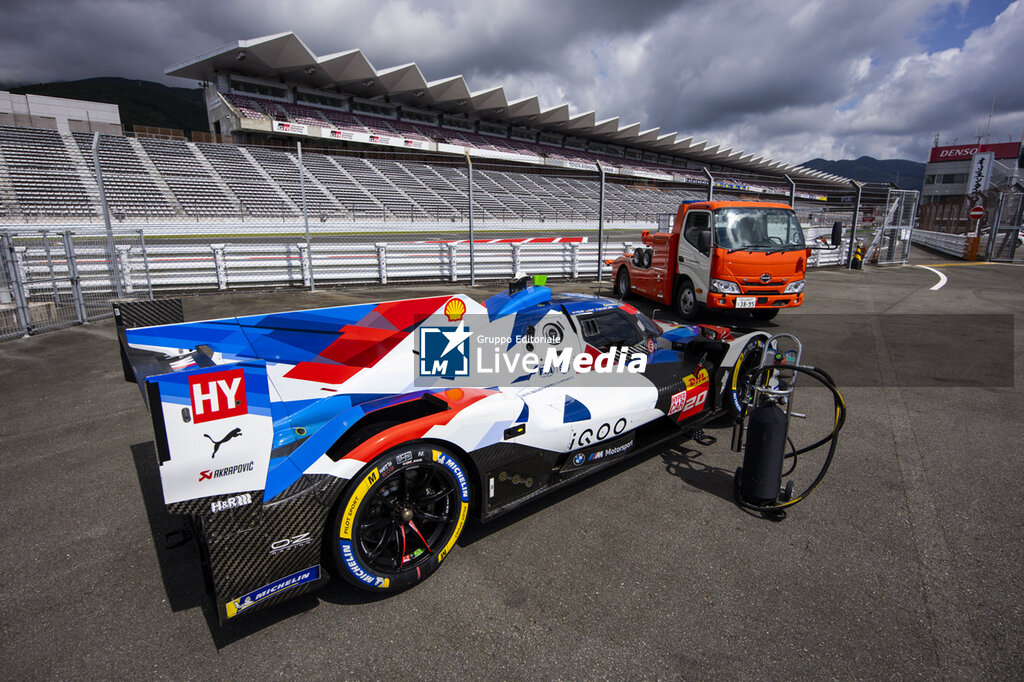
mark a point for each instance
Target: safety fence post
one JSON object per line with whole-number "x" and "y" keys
{"x": 516, "y": 258}
{"x": 453, "y": 261}
{"x": 124, "y": 266}
{"x": 305, "y": 218}
{"x": 111, "y": 252}
{"x": 382, "y": 262}
{"x": 16, "y": 280}
{"x": 145, "y": 264}
{"x": 600, "y": 232}
{"x": 220, "y": 265}
{"x": 575, "y": 248}
{"x": 305, "y": 264}
{"x": 74, "y": 278}
{"x": 472, "y": 259}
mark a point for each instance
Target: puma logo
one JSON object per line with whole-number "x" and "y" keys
{"x": 225, "y": 439}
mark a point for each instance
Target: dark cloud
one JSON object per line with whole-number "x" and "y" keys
{"x": 792, "y": 79}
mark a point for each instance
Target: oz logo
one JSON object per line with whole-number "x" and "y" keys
{"x": 444, "y": 351}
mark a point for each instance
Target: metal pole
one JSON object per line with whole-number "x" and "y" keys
{"x": 993, "y": 228}
{"x": 74, "y": 278}
{"x": 472, "y": 261}
{"x": 792, "y": 191}
{"x": 21, "y": 310}
{"x": 853, "y": 228}
{"x": 111, "y": 251}
{"x": 711, "y": 184}
{"x": 600, "y": 227}
{"x": 305, "y": 216}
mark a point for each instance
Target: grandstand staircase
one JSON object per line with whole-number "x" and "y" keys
{"x": 355, "y": 182}
{"x": 208, "y": 167}
{"x": 259, "y": 170}
{"x": 398, "y": 190}
{"x": 411, "y": 177}
{"x": 312, "y": 179}
{"x": 84, "y": 169}
{"x": 156, "y": 175}
{"x": 459, "y": 190}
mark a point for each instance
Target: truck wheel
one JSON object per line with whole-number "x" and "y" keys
{"x": 400, "y": 518}
{"x": 686, "y": 300}
{"x": 764, "y": 314}
{"x": 645, "y": 258}
{"x": 622, "y": 282}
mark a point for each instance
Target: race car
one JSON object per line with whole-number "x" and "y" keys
{"x": 354, "y": 441}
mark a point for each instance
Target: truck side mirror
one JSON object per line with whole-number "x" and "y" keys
{"x": 837, "y": 233}
{"x": 704, "y": 241}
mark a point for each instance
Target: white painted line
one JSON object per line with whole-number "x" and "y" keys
{"x": 942, "y": 277}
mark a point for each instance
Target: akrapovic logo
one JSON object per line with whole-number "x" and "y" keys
{"x": 210, "y": 474}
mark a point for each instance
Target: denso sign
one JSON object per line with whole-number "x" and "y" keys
{"x": 1004, "y": 150}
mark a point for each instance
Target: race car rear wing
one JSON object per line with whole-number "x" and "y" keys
{"x": 137, "y": 364}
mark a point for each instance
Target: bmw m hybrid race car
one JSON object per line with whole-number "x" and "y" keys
{"x": 355, "y": 441}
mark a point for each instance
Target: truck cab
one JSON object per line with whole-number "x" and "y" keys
{"x": 746, "y": 255}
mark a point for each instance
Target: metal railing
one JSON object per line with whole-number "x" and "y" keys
{"x": 58, "y": 279}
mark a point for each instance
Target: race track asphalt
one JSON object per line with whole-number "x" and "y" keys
{"x": 905, "y": 562}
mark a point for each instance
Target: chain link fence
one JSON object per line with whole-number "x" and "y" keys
{"x": 87, "y": 219}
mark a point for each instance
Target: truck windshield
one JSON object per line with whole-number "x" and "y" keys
{"x": 758, "y": 229}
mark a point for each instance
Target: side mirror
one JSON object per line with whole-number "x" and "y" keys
{"x": 837, "y": 233}
{"x": 704, "y": 241}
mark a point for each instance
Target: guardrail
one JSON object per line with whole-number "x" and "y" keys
{"x": 76, "y": 280}
{"x": 224, "y": 266}
{"x": 953, "y": 244}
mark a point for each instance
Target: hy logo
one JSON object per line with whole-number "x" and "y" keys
{"x": 444, "y": 351}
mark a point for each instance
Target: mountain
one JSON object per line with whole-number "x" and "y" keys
{"x": 906, "y": 174}
{"x": 140, "y": 102}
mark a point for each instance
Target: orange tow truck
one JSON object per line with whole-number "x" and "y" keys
{"x": 746, "y": 255}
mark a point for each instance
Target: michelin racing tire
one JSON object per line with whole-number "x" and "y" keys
{"x": 399, "y": 518}
{"x": 738, "y": 387}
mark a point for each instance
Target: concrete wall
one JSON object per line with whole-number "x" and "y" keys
{"x": 57, "y": 113}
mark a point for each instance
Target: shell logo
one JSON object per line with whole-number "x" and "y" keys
{"x": 454, "y": 309}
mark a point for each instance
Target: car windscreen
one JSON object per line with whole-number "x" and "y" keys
{"x": 757, "y": 229}
{"x": 608, "y": 328}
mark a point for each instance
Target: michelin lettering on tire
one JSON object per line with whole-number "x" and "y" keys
{"x": 364, "y": 571}
{"x": 353, "y": 504}
{"x": 460, "y": 476}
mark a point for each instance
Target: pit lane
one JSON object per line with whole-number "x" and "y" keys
{"x": 905, "y": 562}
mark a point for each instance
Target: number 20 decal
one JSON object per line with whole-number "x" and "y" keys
{"x": 686, "y": 404}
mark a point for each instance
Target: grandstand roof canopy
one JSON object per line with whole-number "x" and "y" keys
{"x": 285, "y": 56}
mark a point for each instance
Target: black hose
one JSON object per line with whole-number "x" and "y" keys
{"x": 840, "y": 406}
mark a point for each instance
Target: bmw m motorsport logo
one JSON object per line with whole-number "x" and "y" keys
{"x": 306, "y": 575}
{"x": 444, "y": 351}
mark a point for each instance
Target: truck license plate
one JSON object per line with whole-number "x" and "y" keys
{"x": 746, "y": 301}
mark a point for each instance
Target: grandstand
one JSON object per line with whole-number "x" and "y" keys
{"x": 377, "y": 145}
{"x": 176, "y": 179}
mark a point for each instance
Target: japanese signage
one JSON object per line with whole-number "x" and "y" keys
{"x": 981, "y": 173}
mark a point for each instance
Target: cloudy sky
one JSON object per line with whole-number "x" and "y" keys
{"x": 792, "y": 79}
